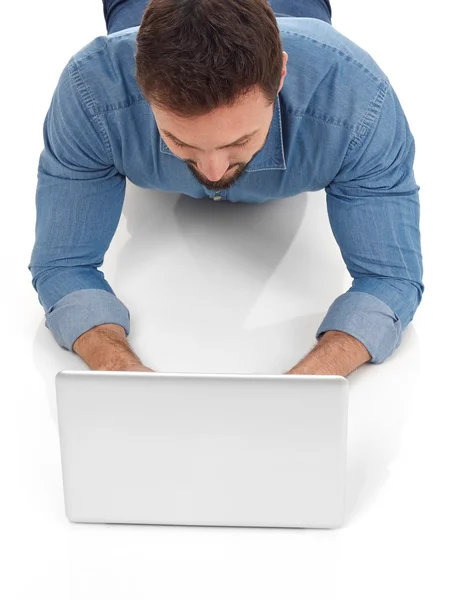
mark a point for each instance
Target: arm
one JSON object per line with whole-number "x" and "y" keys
{"x": 105, "y": 348}
{"x": 337, "y": 353}
{"x": 373, "y": 208}
{"x": 79, "y": 200}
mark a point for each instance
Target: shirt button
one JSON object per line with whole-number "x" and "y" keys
{"x": 217, "y": 198}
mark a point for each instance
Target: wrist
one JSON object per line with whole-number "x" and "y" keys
{"x": 336, "y": 353}
{"x": 105, "y": 348}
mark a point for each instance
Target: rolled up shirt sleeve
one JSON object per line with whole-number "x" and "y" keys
{"x": 374, "y": 211}
{"x": 79, "y": 198}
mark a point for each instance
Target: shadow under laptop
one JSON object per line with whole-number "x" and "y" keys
{"x": 221, "y": 287}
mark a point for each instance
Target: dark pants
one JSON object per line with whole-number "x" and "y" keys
{"x": 122, "y": 14}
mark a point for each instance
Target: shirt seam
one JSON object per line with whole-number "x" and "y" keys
{"x": 369, "y": 118}
{"x": 344, "y": 55}
{"x": 89, "y": 104}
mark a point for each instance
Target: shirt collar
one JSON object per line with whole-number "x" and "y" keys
{"x": 271, "y": 156}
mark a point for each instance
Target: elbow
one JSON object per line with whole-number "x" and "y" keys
{"x": 403, "y": 296}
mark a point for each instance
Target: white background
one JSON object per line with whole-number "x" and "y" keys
{"x": 215, "y": 287}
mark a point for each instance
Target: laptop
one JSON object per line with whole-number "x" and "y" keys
{"x": 203, "y": 449}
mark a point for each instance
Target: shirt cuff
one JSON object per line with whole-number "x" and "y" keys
{"x": 368, "y": 319}
{"x": 79, "y": 311}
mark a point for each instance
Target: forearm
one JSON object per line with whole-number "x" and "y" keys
{"x": 336, "y": 353}
{"x": 105, "y": 348}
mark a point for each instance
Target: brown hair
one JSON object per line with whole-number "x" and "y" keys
{"x": 193, "y": 56}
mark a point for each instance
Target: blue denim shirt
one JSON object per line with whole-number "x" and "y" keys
{"x": 337, "y": 125}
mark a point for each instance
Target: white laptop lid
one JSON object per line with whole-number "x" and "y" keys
{"x": 203, "y": 449}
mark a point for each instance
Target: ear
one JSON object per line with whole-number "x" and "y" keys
{"x": 285, "y": 58}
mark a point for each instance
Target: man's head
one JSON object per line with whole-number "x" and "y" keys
{"x": 211, "y": 71}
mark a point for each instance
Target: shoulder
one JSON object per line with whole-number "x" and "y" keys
{"x": 106, "y": 68}
{"x": 318, "y": 37}
{"x": 329, "y": 78}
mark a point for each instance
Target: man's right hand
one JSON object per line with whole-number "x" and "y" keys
{"x": 139, "y": 367}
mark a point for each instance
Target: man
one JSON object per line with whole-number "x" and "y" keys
{"x": 197, "y": 97}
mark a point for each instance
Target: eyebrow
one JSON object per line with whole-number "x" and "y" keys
{"x": 241, "y": 139}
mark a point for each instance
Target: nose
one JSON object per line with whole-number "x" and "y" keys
{"x": 213, "y": 169}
